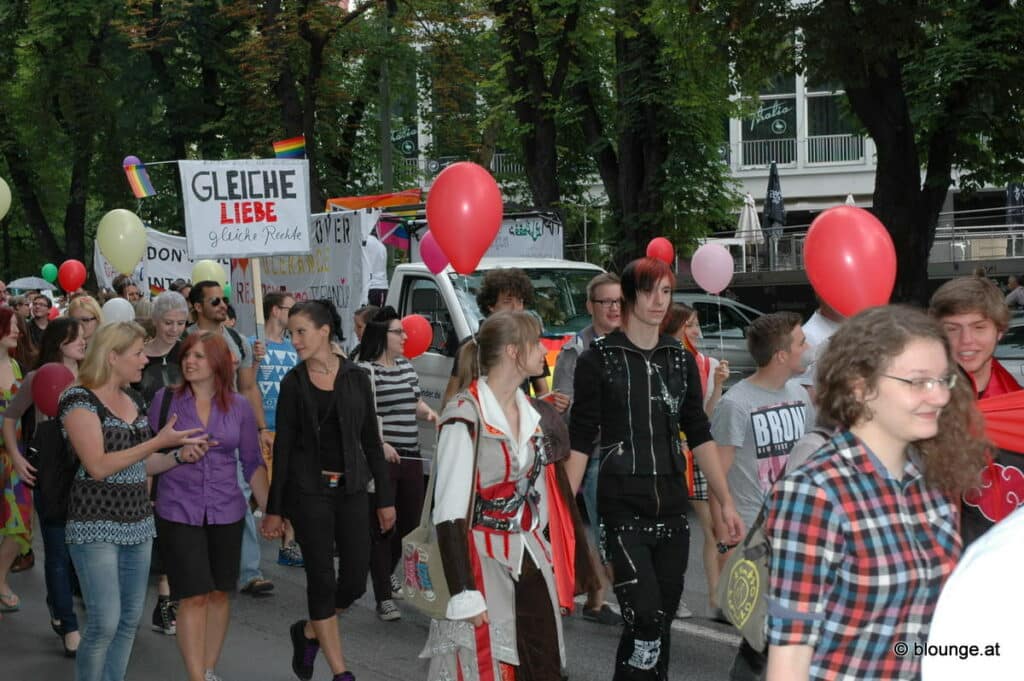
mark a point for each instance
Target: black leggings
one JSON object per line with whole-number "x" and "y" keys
{"x": 648, "y": 557}
{"x": 386, "y": 549}
{"x": 321, "y": 522}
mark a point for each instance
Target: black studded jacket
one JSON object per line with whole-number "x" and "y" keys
{"x": 632, "y": 404}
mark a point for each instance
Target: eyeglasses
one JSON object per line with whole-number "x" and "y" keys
{"x": 607, "y": 302}
{"x": 214, "y": 302}
{"x": 84, "y": 320}
{"x": 926, "y": 384}
{"x": 400, "y": 332}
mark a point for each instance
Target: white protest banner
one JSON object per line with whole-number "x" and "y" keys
{"x": 165, "y": 260}
{"x": 521, "y": 237}
{"x": 333, "y": 269}
{"x": 246, "y": 208}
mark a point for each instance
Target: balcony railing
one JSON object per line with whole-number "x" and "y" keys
{"x": 757, "y": 153}
{"x": 835, "y": 149}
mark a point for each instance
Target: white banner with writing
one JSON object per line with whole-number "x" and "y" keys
{"x": 165, "y": 260}
{"x": 246, "y": 208}
{"x": 333, "y": 269}
{"x": 526, "y": 237}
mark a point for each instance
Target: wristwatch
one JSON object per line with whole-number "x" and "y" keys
{"x": 177, "y": 457}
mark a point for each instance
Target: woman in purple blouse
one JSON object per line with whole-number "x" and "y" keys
{"x": 200, "y": 508}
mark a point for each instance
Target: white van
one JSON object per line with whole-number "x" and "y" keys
{"x": 448, "y": 301}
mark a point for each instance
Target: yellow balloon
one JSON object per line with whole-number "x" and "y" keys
{"x": 5, "y": 198}
{"x": 122, "y": 239}
{"x": 208, "y": 270}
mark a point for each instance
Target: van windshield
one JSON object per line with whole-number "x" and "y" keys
{"x": 559, "y": 298}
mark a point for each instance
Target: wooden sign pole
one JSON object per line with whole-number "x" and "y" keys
{"x": 257, "y": 296}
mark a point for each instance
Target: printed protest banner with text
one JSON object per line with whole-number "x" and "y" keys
{"x": 333, "y": 269}
{"x": 166, "y": 259}
{"x": 522, "y": 237}
{"x": 246, "y": 208}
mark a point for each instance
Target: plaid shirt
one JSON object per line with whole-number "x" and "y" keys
{"x": 858, "y": 560}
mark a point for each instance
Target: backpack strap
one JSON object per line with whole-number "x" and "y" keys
{"x": 237, "y": 338}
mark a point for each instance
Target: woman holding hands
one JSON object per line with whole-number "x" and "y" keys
{"x": 200, "y": 509}
{"x": 327, "y": 449}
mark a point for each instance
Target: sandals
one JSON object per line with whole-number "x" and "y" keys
{"x": 9, "y": 602}
{"x": 258, "y": 587}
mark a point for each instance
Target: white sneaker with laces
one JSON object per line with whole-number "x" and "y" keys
{"x": 683, "y": 612}
{"x": 210, "y": 676}
{"x": 388, "y": 611}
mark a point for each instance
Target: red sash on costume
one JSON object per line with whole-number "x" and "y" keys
{"x": 563, "y": 541}
{"x": 1000, "y": 382}
{"x": 1002, "y": 405}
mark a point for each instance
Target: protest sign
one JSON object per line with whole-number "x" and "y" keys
{"x": 246, "y": 208}
{"x": 333, "y": 269}
{"x": 519, "y": 237}
{"x": 166, "y": 259}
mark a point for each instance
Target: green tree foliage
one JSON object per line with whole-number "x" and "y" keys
{"x": 643, "y": 88}
{"x": 88, "y": 82}
{"x": 935, "y": 83}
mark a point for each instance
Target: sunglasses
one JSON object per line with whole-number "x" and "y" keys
{"x": 215, "y": 301}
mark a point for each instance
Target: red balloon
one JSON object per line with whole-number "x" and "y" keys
{"x": 464, "y": 212}
{"x": 53, "y": 313}
{"x": 47, "y": 385}
{"x": 71, "y": 275}
{"x": 661, "y": 249}
{"x": 850, "y": 259}
{"x": 418, "y": 335}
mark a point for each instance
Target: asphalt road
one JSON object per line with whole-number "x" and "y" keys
{"x": 258, "y": 649}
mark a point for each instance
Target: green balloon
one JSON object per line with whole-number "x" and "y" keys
{"x": 227, "y": 291}
{"x": 50, "y": 272}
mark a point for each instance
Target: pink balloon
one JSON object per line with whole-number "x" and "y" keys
{"x": 712, "y": 267}
{"x": 433, "y": 257}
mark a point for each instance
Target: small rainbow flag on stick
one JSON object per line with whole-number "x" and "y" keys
{"x": 294, "y": 147}
{"x": 138, "y": 177}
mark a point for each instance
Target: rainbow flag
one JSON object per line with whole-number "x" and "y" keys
{"x": 155, "y": 290}
{"x": 393, "y": 233}
{"x": 138, "y": 177}
{"x": 294, "y": 147}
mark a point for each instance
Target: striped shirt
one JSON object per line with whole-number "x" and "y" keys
{"x": 397, "y": 389}
{"x": 858, "y": 559}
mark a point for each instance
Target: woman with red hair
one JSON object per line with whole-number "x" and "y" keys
{"x": 200, "y": 508}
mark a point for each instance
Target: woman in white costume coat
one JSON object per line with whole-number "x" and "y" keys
{"x": 502, "y": 620}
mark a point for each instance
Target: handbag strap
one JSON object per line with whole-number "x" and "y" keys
{"x": 428, "y": 506}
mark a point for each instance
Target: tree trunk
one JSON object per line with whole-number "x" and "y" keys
{"x": 533, "y": 100}
{"x": 908, "y": 210}
{"x": 642, "y": 142}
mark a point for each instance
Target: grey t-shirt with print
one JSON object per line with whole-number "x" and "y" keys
{"x": 763, "y": 425}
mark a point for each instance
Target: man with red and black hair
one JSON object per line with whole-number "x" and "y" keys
{"x": 973, "y": 313}
{"x": 635, "y": 390}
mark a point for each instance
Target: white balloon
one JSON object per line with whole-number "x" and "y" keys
{"x": 118, "y": 310}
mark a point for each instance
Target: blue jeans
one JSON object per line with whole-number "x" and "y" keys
{"x": 113, "y": 579}
{"x": 58, "y": 571}
{"x": 249, "y": 567}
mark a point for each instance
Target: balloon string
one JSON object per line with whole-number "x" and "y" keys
{"x": 721, "y": 338}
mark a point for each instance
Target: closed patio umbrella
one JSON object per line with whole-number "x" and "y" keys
{"x": 774, "y": 213}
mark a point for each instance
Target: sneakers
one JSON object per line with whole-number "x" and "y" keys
{"x": 210, "y": 676}
{"x": 602, "y": 615}
{"x": 258, "y": 587}
{"x": 345, "y": 676}
{"x": 388, "y": 611}
{"x": 396, "y": 588}
{"x": 165, "y": 617}
{"x": 290, "y": 555}
{"x": 683, "y": 612}
{"x": 304, "y": 651}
